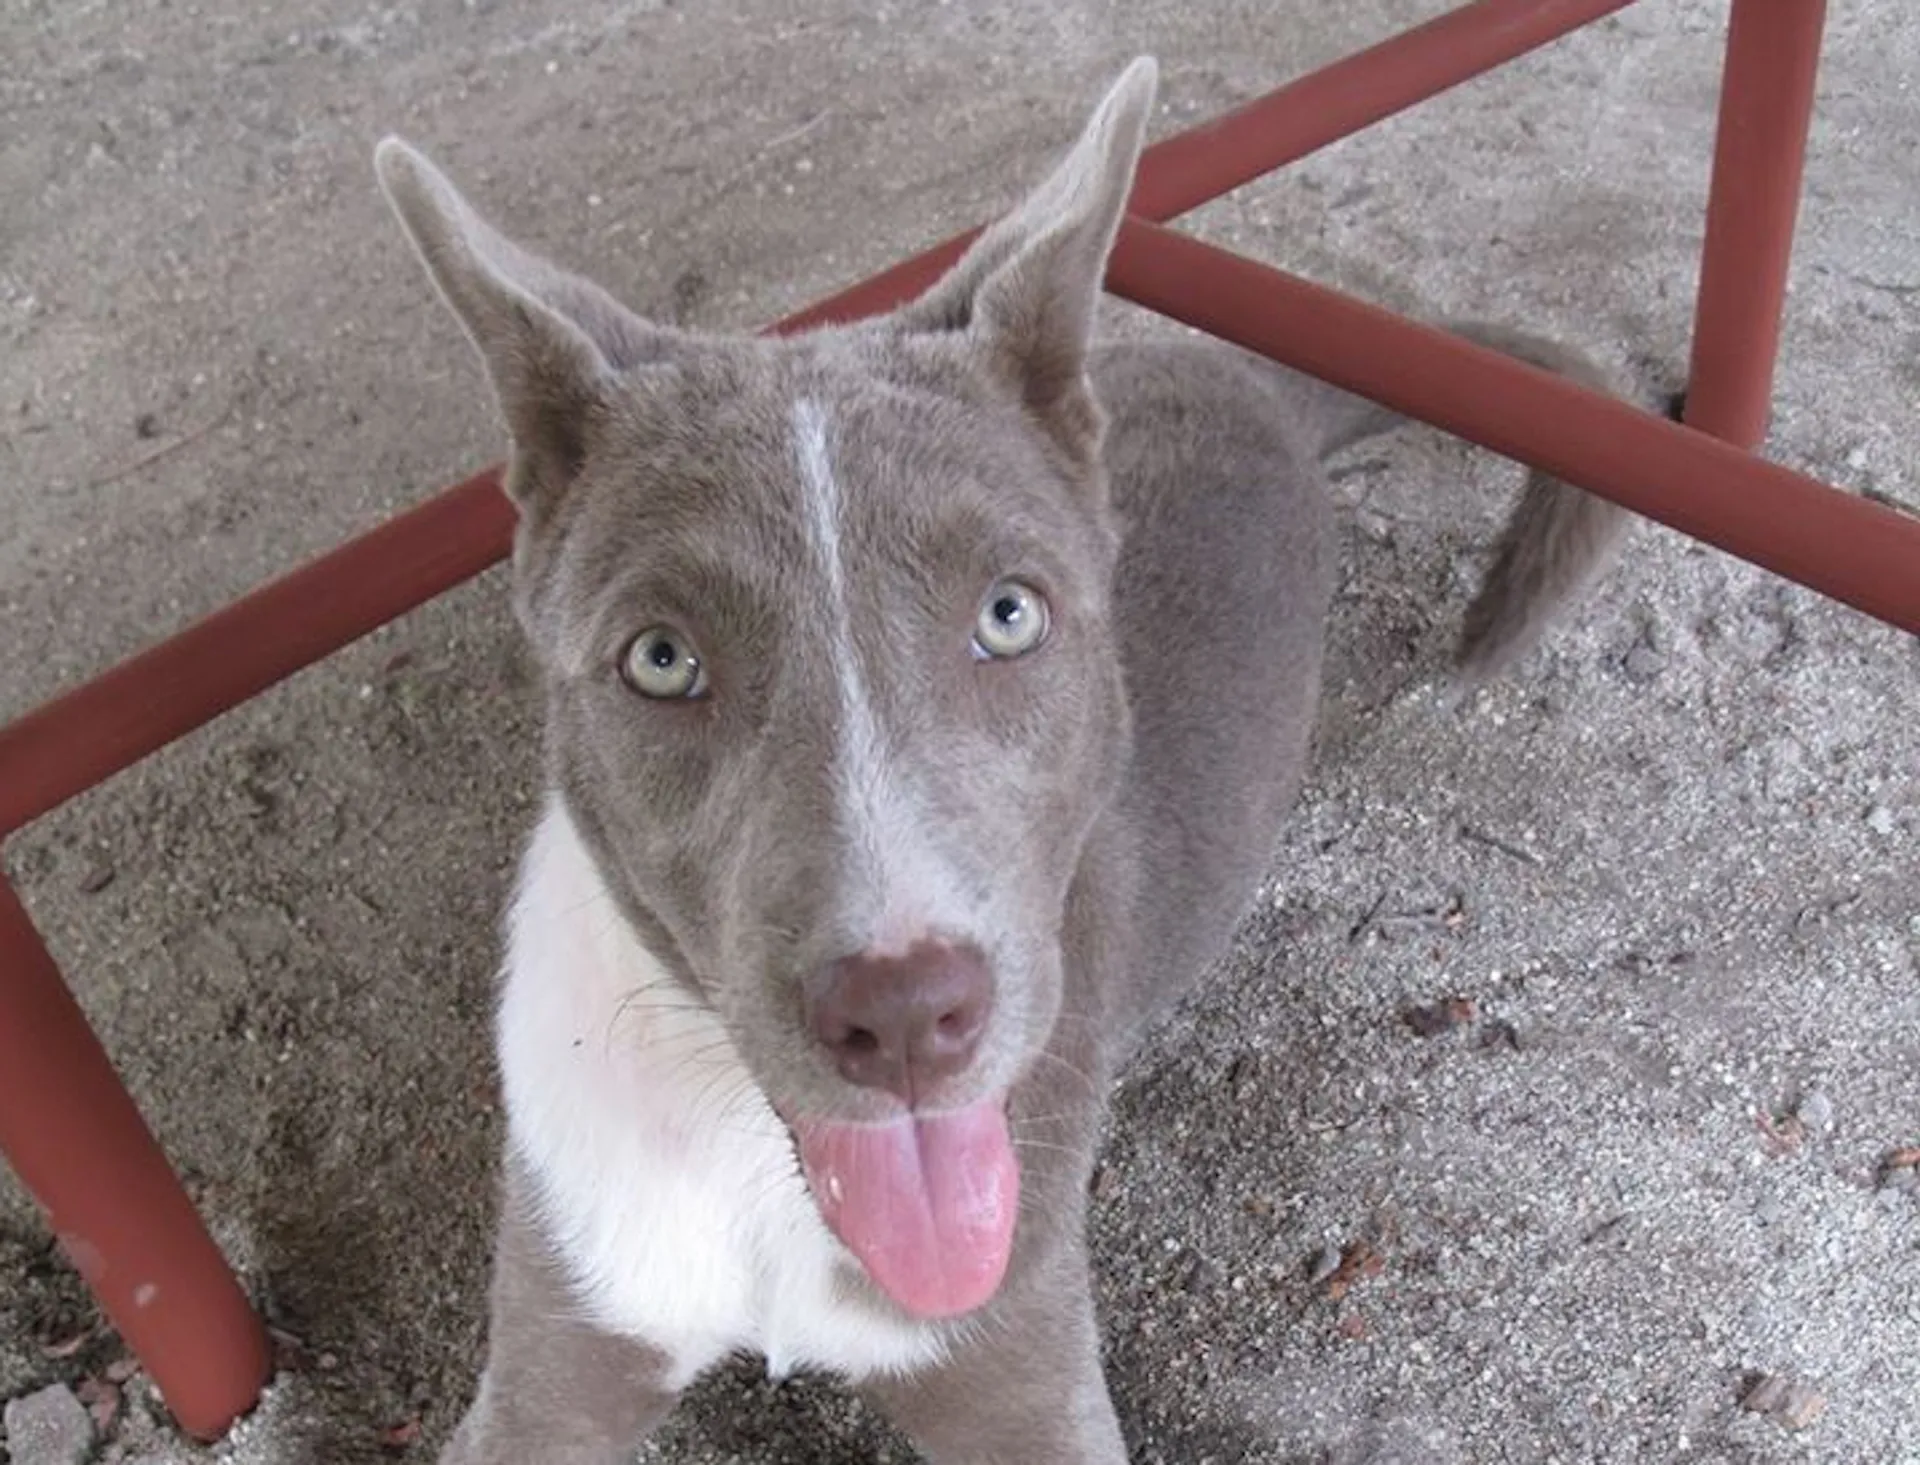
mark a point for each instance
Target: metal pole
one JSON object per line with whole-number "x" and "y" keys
{"x": 1766, "y": 106}
{"x": 1850, "y": 548}
{"x": 1182, "y": 172}
{"x": 79, "y": 1144}
{"x": 100, "y": 727}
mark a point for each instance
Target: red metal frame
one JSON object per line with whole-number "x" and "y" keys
{"x": 1766, "y": 102}
{"x": 1850, "y": 548}
{"x": 74, "y": 1136}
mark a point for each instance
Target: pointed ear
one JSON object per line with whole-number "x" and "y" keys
{"x": 1029, "y": 286}
{"x": 551, "y": 340}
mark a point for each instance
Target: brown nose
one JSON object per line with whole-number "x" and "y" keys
{"x": 902, "y": 1023}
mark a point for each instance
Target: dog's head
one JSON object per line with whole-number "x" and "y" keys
{"x": 831, "y": 683}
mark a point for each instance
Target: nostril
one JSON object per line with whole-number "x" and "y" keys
{"x": 957, "y": 1025}
{"x": 901, "y": 1023}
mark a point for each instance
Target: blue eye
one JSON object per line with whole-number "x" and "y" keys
{"x": 1012, "y": 621}
{"x": 662, "y": 663}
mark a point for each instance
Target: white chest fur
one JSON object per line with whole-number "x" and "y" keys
{"x": 671, "y": 1190}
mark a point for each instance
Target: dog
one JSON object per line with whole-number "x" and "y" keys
{"x": 923, "y": 699}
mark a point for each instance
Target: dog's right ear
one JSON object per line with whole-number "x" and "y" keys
{"x": 551, "y": 340}
{"x": 1027, "y": 290}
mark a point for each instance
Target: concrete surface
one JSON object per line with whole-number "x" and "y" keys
{"x": 1673, "y": 867}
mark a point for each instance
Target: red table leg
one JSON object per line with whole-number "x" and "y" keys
{"x": 1859, "y": 552}
{"x": 1766, "y": 104}
{"x": 75, "y": 1139}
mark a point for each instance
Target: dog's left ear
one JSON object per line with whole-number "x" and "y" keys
{"x": 1028, "y": 288}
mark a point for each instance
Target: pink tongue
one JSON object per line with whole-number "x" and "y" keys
{"x": 926, "y": 1202}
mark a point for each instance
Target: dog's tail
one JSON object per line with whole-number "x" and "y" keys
{"x": 1556, "y": 543}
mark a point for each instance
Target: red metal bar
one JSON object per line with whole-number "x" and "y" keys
{"x": 1182, "y": 172}
{"x": 87, "y": 735}
{"x": 76, "y": 741}
{"x": 79, "y": 1144}
{"x": 1847, "y": 547}
{"x": 1351, "y": 94}
{"x": 1766, "y": 106}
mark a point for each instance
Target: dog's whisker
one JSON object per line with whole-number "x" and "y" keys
{"x": 1041, "y": 1144}
{"x": 1029, "y": 1123}
{"x": 1085, "y": 1079}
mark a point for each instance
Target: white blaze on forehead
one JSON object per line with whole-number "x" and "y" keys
{"x": 823, "y": 524}
{"x": 860, "y": 748}
{"x": 913, "y": 892}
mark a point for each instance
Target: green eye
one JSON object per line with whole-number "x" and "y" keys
{"x": 662, "y": 663}
{"x": 1012, "y": 621}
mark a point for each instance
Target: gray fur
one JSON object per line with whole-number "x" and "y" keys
{"x": 1109, "y": 803}
{"x": 1557, "y": 541}
{"x": 555, "y": 1390}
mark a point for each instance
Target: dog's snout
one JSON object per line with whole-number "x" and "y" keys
{"x": 903, "y": 1023}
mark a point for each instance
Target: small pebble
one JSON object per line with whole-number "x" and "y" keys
{"x": 102, "y": 1401}
{"x": 1816, "y": 1112}
{"x": 1880, "y": 819}
{"x": 1358, "y": 1263}
{"x": 1324, "y": 1264}
{"x": 1437, "y": 1017}
{"x": 1787, "y": 1401}
{"x": 49, "y": 1428}
{"x": 1502, "y": 1034}
{"x": 1643, "y": 664}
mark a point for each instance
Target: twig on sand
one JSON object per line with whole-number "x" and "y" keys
{"x": 147, "y": 460}
{"x": 1494, "y": 841}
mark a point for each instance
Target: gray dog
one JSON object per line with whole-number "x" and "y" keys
{"x": 923, "y": 700}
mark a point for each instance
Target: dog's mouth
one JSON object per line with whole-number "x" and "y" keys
{"x": 926, "y": 1202}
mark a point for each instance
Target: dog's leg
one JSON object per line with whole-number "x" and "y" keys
{"x": 1027, "y": 1390}
{"x": 556, "y": 1389}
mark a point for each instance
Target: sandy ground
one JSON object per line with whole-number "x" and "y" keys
{"x": 1673, "y": 867}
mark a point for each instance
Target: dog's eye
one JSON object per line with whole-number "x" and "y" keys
{"x": 661, "y": 662}
{"x": 1012, "y": 621}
